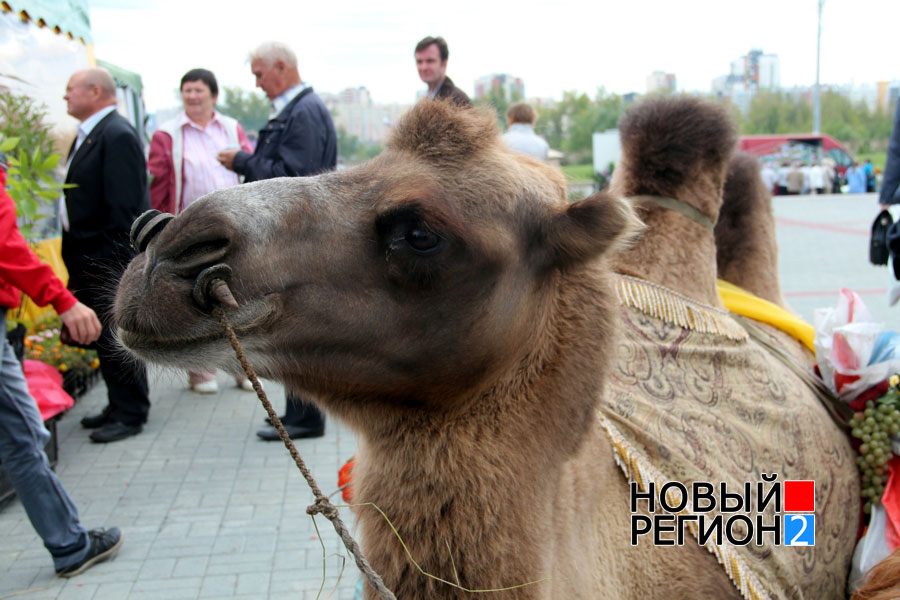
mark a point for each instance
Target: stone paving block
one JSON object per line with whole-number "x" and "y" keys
{"x": 118, "y": 589}
{"x": 16, "y": 580}
{"x": 218, "y": 586}
{"x": 194, "y": 566}
{"x": 157, "y": 568}
{"x": 174, "y": 588}
{"x": 253, "y": 583}
{"x": 74, "y": 590}
{"x": 237, "y": 568}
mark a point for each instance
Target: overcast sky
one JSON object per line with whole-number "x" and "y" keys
{"x": 553, "y": 45}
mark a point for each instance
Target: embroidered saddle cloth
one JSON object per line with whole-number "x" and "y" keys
{"x": 693, "y": 399}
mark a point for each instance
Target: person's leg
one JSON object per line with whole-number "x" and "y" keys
{"x": 203, "y": 382}
{"x": 302, "y": 412}
{"x": 126, "y": 382}
{"x": 22, "y": 440}
{"x": 302, "y": 419}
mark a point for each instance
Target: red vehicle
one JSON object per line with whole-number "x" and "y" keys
{"x": 805, "y": 147}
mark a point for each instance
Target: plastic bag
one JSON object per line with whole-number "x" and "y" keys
{"x": 870, "y": 550}
{"x": 852, "y": 350}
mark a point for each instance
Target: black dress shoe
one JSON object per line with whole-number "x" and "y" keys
{"x": 102, "y": 543}
{"x": 115, "y": 431}
{"x": 98, "y": 420}
{"x": 270, "y": 434}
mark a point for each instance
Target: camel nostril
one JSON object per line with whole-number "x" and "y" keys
{"x": 211, "y": 286}
{"x": 146, "y": 227}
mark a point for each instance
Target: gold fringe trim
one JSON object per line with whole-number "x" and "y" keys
{"x": 677, "y": 309}
{"x": 639, "y": 471}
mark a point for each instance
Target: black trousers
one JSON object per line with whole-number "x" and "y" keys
{"x": 301, "y": 412}
{"x": 126, "y": 379}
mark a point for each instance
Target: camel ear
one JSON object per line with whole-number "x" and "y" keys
{"x": 587, "y": 229}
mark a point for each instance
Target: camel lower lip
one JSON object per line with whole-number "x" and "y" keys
{"x": 136, "y": 340}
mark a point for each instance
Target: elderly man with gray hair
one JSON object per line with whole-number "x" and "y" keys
{"x": 520, "y": 135}
{"x": 298, "y": 140}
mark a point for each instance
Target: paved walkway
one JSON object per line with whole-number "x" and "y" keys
{"x": 207, "y": 509}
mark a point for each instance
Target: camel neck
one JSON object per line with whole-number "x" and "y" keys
{"x": 458, "y": 487}
{"x": 675, "y": 252}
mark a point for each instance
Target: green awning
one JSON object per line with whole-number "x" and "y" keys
{"x": 70, "y": 16}
{"x": 123, "y": 76}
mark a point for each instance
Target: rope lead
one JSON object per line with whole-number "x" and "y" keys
{"x": 322, "y": 505}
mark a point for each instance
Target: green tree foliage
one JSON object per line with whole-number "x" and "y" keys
{"x": 854, "y": 124}
{"x": 352, "y": 150}
{"x": 25, "y": 140}
{"x": 251, "y": 109}
{"x": 570, "y": 124}
{"x": 496, "y": 99}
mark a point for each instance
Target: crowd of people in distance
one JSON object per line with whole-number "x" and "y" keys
{"x": 787, "y": 177}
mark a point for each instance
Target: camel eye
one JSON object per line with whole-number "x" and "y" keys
{"x": 423, "y": 240}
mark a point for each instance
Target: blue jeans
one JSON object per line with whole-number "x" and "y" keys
{"x": 22, "y": 440}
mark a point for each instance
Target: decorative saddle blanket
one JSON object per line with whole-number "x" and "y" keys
{"x": 693, "y": 399}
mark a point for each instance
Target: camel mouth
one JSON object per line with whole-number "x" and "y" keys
{"x": 139, "y": 342}
{"x": 156, "y": 345}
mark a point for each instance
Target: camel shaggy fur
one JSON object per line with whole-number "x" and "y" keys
{"x": 447, "y": 302}
{"x": 746, "y": 248}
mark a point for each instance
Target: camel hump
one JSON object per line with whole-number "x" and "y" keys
{"x": 440, "y": 131}
{"x": 668, "y": 141}
{"x": 744, "y": 191}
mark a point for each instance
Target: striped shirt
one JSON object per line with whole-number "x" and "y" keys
{"x": 202, "y": 172}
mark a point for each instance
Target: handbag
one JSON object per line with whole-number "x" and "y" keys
{"x": 878, "y": 246}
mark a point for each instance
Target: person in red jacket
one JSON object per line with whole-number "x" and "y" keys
{"x": 22, "y": 432}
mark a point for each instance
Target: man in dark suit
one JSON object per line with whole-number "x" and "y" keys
{"x": 431, "y": 61}
{"x": 299, "y": 140}
{"x": 106, "y": 163}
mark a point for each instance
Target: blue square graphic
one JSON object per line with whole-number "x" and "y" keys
{"x": 799, "y": 530}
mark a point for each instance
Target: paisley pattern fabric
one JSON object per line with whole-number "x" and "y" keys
{"x": 685, "y": 405}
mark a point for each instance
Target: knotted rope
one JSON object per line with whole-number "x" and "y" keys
{"x": 322, "y": 504}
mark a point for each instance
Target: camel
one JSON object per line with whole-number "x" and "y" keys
{"x": 746, "y": 247}
{"x": 446, "y": 302}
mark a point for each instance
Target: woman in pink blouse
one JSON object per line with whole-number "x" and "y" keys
{"x": 184, "y": 166}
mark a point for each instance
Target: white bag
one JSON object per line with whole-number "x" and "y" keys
{"x": 871, "y": 549}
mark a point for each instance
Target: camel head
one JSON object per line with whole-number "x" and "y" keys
{"x": 415, "y": 277}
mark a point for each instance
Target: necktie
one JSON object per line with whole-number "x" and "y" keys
{"x": 63, "y": 213}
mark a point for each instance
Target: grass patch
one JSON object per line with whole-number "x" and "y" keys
{"x": 878, "y": 158}
{"x": 578, "y": 172}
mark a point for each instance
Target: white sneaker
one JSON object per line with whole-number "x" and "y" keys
{"x": 206, "y": 387}
{"x": 247, "y": 385}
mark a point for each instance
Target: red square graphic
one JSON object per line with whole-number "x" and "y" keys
{"x": 800, "y": 496}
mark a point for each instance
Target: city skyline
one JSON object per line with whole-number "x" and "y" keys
{"x": 553, "y": 49}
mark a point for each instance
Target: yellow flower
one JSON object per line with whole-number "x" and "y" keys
{"x": 893, "y": 380}
{"x": 63, "y": 367}
{"x": 95, "y": 363}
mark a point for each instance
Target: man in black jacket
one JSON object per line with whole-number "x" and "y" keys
{"x": 106, "y": 164}
{"x": 431, "y": 61}
{"x": 298, "y": 141}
